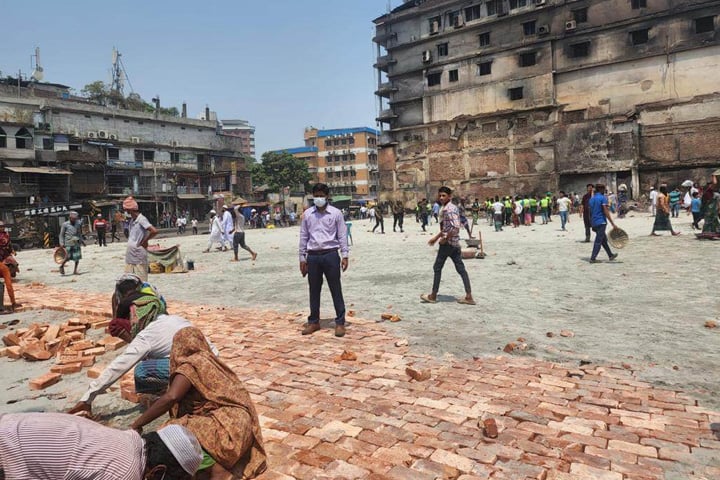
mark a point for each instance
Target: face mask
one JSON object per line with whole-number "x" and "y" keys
{"x": 320, "y": 202}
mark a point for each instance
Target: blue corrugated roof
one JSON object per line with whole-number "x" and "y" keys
{"x": 293, "y": 151}
{"x": 346, "y": 131}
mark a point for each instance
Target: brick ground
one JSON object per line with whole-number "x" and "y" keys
{"x": 326, "y": 418}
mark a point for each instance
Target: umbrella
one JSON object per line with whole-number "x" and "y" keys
{"x": 687, "y": 183}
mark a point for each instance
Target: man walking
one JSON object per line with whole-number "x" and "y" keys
{"x": 140, "y": 231}
{"x": 600, "y": 215}
{"x": 228, "y": 226}
{"x": 322, "y": 234}
{"x": 653, "y": 200}
{"x": 239, "y": 235}
{"x": 379, "y": 221}
{"x": 449, "y": 238}
{"x": 70, "y": 240}
{"x": 675, "y": 202}
{"x": 398, "y": 215}
{"x": 563, "y": 204}
{"x": 585, "y": 211}
{"x": 100, "y": 226}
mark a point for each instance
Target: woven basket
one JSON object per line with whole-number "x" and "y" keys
{"x": 618, "y": 238}
{"x": 60, "y": 255}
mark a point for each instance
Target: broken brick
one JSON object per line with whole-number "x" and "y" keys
{"x": 66, "y": 369}
{"x": 36, "y": 353}
{"x": 95, "y": 371}
{"x": 418, "y": 375}
{"x": 45, "y": 381}
{"x": 490, "y": 429}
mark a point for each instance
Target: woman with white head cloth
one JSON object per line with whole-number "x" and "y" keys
{"x": 216, "y": 231}
{"x": 52, "y": 446}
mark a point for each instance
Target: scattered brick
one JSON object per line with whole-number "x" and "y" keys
{"x": 490, "y": 428}
{"x": 45, "y": 381}
{"x": 67, "y": 368}
{"x": 418, "y": 375}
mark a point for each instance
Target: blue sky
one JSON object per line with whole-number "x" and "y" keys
{"x": 283, "y": 65}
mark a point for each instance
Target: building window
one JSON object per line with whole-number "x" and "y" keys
{"x": 472, "y": 13}
{"x": 705, "y": 24}
{"x": 328, "y": 143}
{"x": 435, "y": 23}
{"x": 580, "y": 15}
{"x": 528, "y": 59}
{"x": 453, "y": 76}
{"x": 442, "y": 50}
{"x": 484, "y": 68}
{"x": 48, "y": 144}
{"x": 144, "y": 155}
{"x": 343, "y": 141}
{"x": 3, "y": 138}
{"x": 351, "y": 140}
{"x": 434, "y": 79}
{"x": 174, "y": 157}
{"x": 455, "y": 18}
{"x": 639, "y": 37}
{"x": 494, "y": 7}
{"x": 517, "y": 4}
{"x": 529, "y": 28}
{"x": 521, "y": 122}
{"x": 484, "y": 39}
{"x": 489, "y": 127}
{"x": 638, "y": 4}
{"x": 74, "y": 147}
{"x": 113, "y": 154}
{"x": 579, "y": 50}
{"x": 23, "y": 139}
{"x": 574, "y": 116}
{"x": 515, "y": 93}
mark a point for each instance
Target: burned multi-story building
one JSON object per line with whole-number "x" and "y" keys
{"x": 56, "y": 148}
{"x": 522, "y": 96}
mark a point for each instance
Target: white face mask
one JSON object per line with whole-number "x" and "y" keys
{"x": 320, "y": 202}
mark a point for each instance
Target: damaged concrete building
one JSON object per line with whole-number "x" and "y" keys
{"x": 523, "y": 96}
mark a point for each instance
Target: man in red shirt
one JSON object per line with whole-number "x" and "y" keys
{"x": 5, "y": 251}
{"x": 100, "y": 226}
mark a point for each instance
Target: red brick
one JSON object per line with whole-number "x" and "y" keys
{"x": 309, "y": 457}
{"x": 375, "y": 438}
{"x": 45, "y": 381}
{"x": 67, "y": 368}
{"x": 635, "y": 448}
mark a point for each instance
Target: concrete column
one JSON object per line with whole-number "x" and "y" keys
{"x": 635, "y": 185}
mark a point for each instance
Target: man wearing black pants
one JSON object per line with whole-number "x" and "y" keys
{"x": 322, "y": 234}
{"x": 398, "y": 215}
{"x": 585, "y": 211}
{"x": 449, "y": 238}
{"x": 599, "y": 216}
{"x": 239, "y": 235}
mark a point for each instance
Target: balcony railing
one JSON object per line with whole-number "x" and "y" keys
{"x": 184, "y": 190}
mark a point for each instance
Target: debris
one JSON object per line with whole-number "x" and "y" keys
{"x": 350, "y": 313}
{"x": 386, "y": 316}
{"x": 675, "y": 367}
{"x": 44, "y": 381}
{"x": 418, "y": 376}
{"x": 489, "y": 427}
{"x": 395, "y": 318}
{"x": 348, "y": 355}
{"x": 36, "y": 353}
{"x": 510, "y": 347}
{"x": 66, "y": 369}
{"x": 511, "y": 262}
{"x": 402, "y": 343}
{"x": 567, "y": 333}
{"x": 95, "y": 371}
{"x": 520, "y": 339}
{"x": 627, "y": 366}
{"x": 549, "y": 334}
{"x": 711, "y": 324}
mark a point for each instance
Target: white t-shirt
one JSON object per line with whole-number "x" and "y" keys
{"x": 653, "y": 197}
{"x": 498, "y": 207}
{"x": 563, "y": 204}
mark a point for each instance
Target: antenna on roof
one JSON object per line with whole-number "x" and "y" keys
{"x": 37, "y": 74}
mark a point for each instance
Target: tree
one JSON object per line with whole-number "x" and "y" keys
{"x": 97, "y": 92}
{"x": 279, "y": 170}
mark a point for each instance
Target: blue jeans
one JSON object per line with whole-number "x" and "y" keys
{"x": 675, "y": 208}
{"x": 600, "y": 241}
{"x": 563, "y": 219}
{"x": 327, "y": 264}
{"x": 545, "y": 214}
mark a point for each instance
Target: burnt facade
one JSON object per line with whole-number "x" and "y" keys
{"x": 523, "y": 96}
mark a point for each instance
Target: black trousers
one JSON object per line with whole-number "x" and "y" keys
{"x": 398, "y": 221}
{"x": 455, "y": 254}
{"x": 101, "y": 237}
{"x": 328, "y": 265}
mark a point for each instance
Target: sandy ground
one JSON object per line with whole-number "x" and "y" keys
{"x": 646, "y": 310}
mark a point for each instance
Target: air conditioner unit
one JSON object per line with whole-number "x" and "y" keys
{"x": 112, "y": 136}
{"x": 102, "y": 134}
{"x": 434, "y": 28}
{"x": 540, "y": 3}
{"x": 135, "y": 139}
{"x": 458, "y": 21}
{"x": 543, "y": 30}
{"x": 427, "y": 56}
{"x": 92, "y": 135}
{"x": 570, "y": 25}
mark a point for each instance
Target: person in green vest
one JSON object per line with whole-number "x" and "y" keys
{"x": 508, "y": 210}
{"x": 548, "y": 195}
{"x": 475, "y": 209}
{"x": 533, "y": 207}
{"x": 544, "y": 208}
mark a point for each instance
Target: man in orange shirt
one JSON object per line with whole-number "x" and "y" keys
{"x": 5, "y": 251}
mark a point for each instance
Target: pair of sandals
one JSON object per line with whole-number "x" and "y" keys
{"x": 425, "y": 298}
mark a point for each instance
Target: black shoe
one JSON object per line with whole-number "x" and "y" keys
{"x": 592, "y": 260}
{"x": 613, "y": 256}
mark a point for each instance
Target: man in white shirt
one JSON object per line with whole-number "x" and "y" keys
{"x": 228, "y": 225}
{"x": 140, "y": 231}
{"x": 498, "y": 208}
{"x": 152, "y": 343}
{"x": 563, "y": 204}
{"x": 653, "y": 200}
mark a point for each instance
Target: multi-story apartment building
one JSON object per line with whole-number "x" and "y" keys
{"x": 244, "y": 131}
{"x": 345, "y": 158}
{"x": 522, "y": 96}
{"x": 55, "y": 149}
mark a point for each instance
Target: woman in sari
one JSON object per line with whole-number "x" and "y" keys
{"x": 662, "y": 214}
{"x": 709, "y": 210}
{"x": 207, "y": 398}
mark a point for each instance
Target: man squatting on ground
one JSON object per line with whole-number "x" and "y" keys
{"x": 53, "y": 446}
{"x": 449, "y": 239}
{"x": 322, "y": 233}
{"x": 140, "y": 232}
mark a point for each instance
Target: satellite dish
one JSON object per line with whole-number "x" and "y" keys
{"x": 114, "y": 56}
{"x": 38, "y": 74}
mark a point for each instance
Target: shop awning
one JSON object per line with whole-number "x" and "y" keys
{"x": 191, "y": 196}
{"x": 104, "y": 203}
{"x": 340, "y": 198}
{"x": 40, "y": 170}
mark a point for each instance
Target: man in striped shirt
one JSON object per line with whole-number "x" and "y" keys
{"x": 56, "y": 446}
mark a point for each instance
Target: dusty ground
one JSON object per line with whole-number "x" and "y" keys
{"x": 645, "y": 310}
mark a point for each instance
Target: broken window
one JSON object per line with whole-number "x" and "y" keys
{"x": 435, "y": 24}
{"x": 580, "y": 15}
{"x": 472, "y": 13}
{"x": 484, "y": 68}
{"x": 515, "y": 93}
{"x": 517, "y": 4}
{"x": 528, "y": 59}
{"x": 637, "y": 4}
{"x": 705, "y": 24}
{"x": 113, "y": 154}
{"x": 454, "y": 76}
{"x": 529, "y": 28}
{"x": 434, "y": 79}
{"x": 442, "y": 50}
{"x": 639, "y": 37}
{"x": 489, "y": 127}
{"x": 3, "y": 138}
{"x": 484, "y": 39}
{"x": 579, "y": 50}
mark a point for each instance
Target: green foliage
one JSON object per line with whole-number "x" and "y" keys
{"x": 279, "y": 170}
{"x": 97, "y": 92}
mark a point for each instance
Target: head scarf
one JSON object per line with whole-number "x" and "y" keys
{"x": 215, "y": 420}
{"x": 146, "y": 307}
{"x": 130, "y": 204}
{"x": 183, "y": 445}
